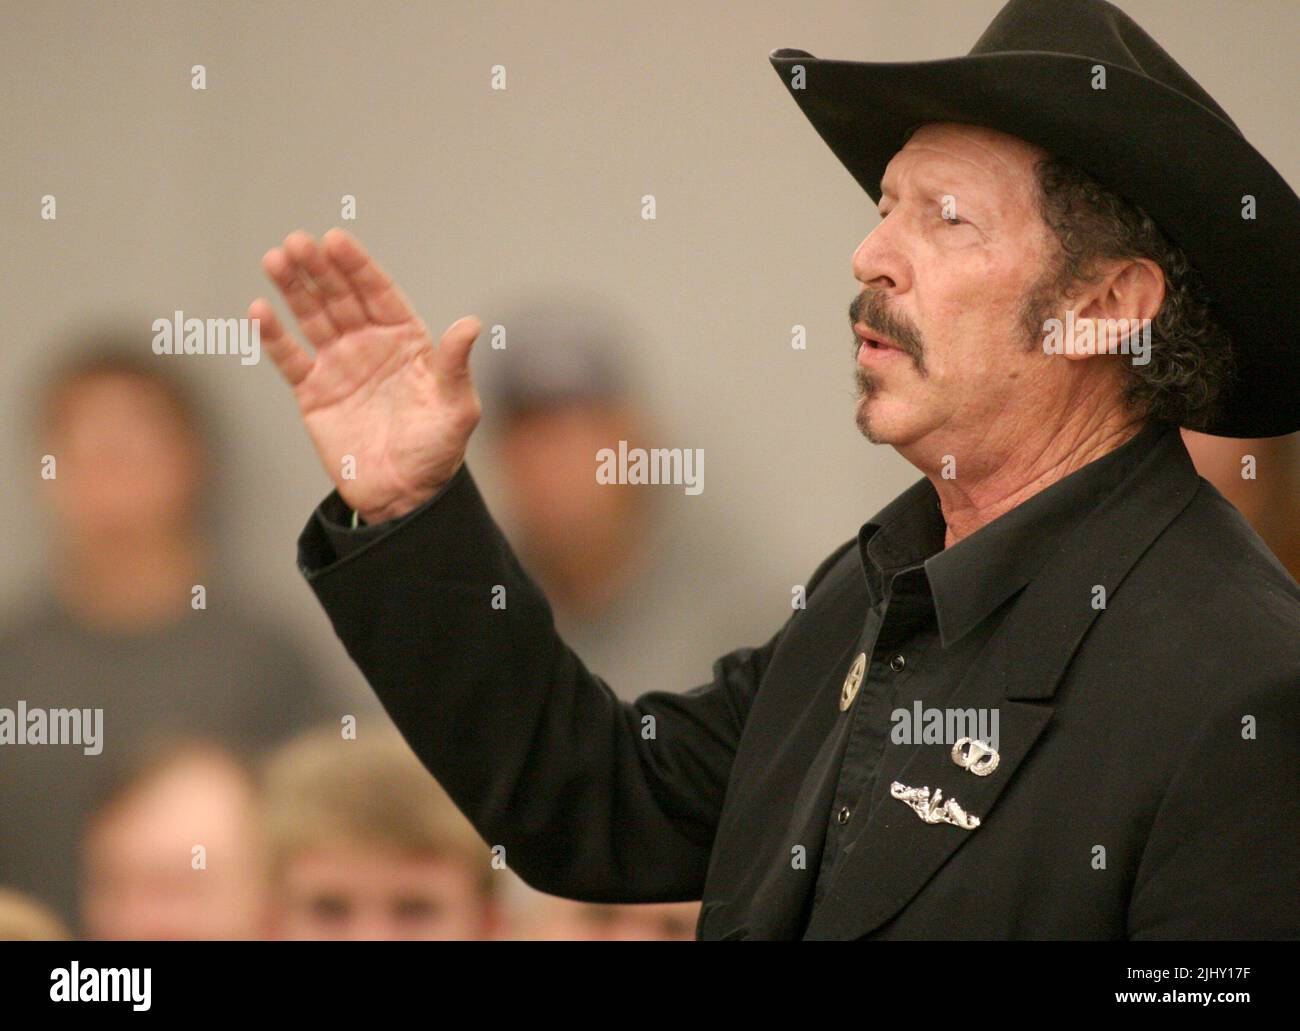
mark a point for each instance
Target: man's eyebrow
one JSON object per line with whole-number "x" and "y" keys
{"x": 934, "y": 188}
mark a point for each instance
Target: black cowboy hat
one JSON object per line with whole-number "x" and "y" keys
{"x": 1152, "y": 135}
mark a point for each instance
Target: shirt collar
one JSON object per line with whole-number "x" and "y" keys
{"x": 905, "y": 533}
{"x": 980, "y": 572}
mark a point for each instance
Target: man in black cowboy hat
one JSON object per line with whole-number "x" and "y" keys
{"x": 1051, "y": 691}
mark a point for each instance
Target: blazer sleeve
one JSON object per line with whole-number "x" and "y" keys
{"x": 591, "y": 797}
{"x": 1221, "y": 857}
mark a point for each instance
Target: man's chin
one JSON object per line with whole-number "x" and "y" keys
{"x": 876, "y": 423}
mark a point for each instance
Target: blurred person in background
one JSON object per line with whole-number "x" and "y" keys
{"x": 364, "y": 845}
{"x": 23, "y": 919}
{"x": 543, "y": 917}
{"x": 562, "y": 396}
{"x": 1266, "y": 490}
{"x": 621, "y": 563}
{"x": 171, "y": 852}
{"x": 127, "y": 455}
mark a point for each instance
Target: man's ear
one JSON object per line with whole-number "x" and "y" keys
{"x": 1136, "y": 289}
{"x": 1126, "y": 293}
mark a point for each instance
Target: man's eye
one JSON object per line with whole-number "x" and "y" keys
{"x": 955, "y": 221}
{"x": 330, "y": 907}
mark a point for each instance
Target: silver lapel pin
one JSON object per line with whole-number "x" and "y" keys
{"x": 934, "y": 810}
{"x": 975, "y": 756}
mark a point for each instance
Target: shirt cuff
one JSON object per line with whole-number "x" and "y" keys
{"x": 344, "y": 531}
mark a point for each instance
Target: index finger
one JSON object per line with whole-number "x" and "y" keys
{"x": 382, "y": 299}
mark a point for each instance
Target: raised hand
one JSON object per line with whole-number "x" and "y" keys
{"x": 376, "y": 391}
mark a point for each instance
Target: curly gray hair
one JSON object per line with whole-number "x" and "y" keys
{"x": 1191, "y": 354}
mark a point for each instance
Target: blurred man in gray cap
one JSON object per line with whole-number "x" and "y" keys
{"x": 620, "y": 566}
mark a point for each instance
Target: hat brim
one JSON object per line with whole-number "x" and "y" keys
{"x": 1182, "y": 163}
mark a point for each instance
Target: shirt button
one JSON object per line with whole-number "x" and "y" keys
{"x": 843, "y": 815}
{"x": 897, "y": 663}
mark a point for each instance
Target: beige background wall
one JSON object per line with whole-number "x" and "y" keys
{"x": 167, "y": 197}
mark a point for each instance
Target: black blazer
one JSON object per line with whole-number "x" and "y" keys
{"x": 1149, "y": 782}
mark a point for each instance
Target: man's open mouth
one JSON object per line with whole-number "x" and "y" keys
{"x": 874, "y": 340}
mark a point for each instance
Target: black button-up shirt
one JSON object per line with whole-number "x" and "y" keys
{"x": 932, "y": 612}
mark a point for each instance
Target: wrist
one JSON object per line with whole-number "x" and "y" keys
{"x": 402, "y": 504}
{"x": 393, "y": 510}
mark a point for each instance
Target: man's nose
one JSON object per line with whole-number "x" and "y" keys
{"x": 369, "y": 924}
{"x": 878, "y": 263}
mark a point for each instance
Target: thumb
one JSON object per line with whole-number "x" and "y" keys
{"x": 451, "y": 356}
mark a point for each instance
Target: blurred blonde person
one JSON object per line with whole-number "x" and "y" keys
{"x": 25, "y": 920}
{"x": 364, "y": 844}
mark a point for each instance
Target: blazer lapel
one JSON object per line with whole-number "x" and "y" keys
{"x": 1018, "y": 673}
{"x": 898, "y": 852}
